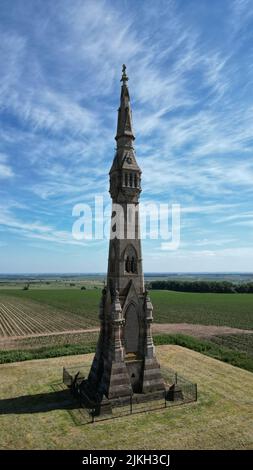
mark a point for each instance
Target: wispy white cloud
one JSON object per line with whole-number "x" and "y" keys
{"x": 245, "y": 223}
{"x": 211, "y": 242}
{"x": 36, "y": 230}
{"x": 5, "y": 169}
{"x": 192, "y": 109}
{"x": 234, "y": 217}
{"x": 237, "y": 259}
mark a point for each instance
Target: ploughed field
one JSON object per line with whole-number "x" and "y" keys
{"x": 53, "y": 322}
{"x": 234, "y": 310}
{"x": 57, "y": 317}
{"x": 21, "y": 317}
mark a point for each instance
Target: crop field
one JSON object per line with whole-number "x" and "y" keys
{"x": 234, "y": 310}
{"x": 50, "y": 322}
{"x": 222, "y": 418}
{"x": 21, "y": 318}
{"x": 70, "y": 302}
{"x": 242, "y": 343}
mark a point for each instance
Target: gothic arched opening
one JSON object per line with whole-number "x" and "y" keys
{"x": 130, "y": 260}
{"x": 131, "y": 333}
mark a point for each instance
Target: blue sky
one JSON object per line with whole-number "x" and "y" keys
{"x": 191, "y": 85}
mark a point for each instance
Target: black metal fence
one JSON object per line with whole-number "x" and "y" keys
{"x": 186, "y": 392}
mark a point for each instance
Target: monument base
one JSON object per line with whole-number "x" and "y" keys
{"x": 152, "y": 377}
{"x": 154, "y": 389}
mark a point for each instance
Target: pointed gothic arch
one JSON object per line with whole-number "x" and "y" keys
{"x": 131, "y": 328}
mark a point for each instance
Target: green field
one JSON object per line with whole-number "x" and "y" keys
{"x": 241, "y": 356}
{"x": 235, "y": 310}
{"x": 47, "y": 311}
{"x": 221, "y": 418}
{"x": 242, "y": 343}
{"x": 84, "y": 303}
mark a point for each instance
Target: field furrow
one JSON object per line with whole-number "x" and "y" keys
{"x": 7, "y": 322}
{"x": 51, "y": 320}
{"x": 27, "y": 318}
{"x": 11, "y": 315}
{"x": 24, "y": 319}
{"x": 4, "y": 324}
{"x": 39, "y": 322}
{"x": 2, "y": 330}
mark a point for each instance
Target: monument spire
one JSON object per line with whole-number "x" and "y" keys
{"x": 125, "y": 133}
{"x": 125, "y": 174}
{"x": 125, "y": 361}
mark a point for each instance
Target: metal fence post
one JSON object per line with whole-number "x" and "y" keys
{"x": 131, "y": 404}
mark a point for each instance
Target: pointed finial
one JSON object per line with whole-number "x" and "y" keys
{"x": 124, "y": 77}
{"x": 146, "y": 293}
{"x": 116, "y": 295}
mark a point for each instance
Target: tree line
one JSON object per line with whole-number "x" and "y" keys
{"x": 223, "y": 287}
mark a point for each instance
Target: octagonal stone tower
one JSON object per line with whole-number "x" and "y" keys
{"x": 125, "y": 361}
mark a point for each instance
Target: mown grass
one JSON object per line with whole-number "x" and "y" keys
{"x": 209, "y": 348}
{"x": 235, "y": 310}
{"x": 33, "y": 416}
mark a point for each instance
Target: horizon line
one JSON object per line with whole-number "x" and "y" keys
{"x": 104, "y": 273}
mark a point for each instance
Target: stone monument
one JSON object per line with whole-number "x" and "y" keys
{"x": 125, "y": 360}
{"x": 125, "y": 363}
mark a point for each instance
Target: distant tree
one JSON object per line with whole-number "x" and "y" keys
{"x": 26, "y": 287}
{"x": 83, "y": 288}
{"x": 222, "y": 287}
